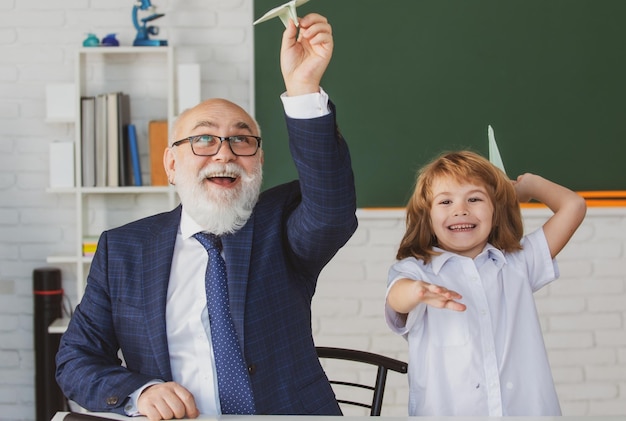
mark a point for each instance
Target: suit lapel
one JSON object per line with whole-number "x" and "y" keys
{"x": 157, "y": 257}
{"x": 237, "y": 252}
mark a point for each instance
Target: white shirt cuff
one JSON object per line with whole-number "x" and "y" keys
{"x": 130, "y": 408}
{"x": 306, "y": 106}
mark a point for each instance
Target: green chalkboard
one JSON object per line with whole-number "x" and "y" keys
{"x": 413, "y": 78}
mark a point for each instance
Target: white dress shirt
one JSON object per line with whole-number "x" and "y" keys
{"x": 489, "y": 360}
{"x": 186, "y": 314}
{"x": 187, "y": 319}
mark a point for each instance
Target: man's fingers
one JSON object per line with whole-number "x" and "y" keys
{"x": 173, "y": 407}
{"x": 188, "y": 406}
{"x": 164, "y": 410}
{"x": 166, "y": 401}
{"x": 311, "y": 19}
{"x": 152, "y": 413}
{"x": 289, "y": 35}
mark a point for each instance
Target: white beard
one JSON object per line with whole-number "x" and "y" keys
{"x": 216, "y": 210}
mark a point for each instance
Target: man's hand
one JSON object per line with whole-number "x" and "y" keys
{"x": 304, "y": 59}
{"x": 165, "y": 401}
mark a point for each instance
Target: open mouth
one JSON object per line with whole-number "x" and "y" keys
{"x": 461, "y": 227}
{"x": 223, "y": 179}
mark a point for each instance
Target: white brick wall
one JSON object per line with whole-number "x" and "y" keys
{"x": 582, "y": 314}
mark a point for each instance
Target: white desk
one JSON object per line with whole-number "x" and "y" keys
{"x": 60, "y": 415}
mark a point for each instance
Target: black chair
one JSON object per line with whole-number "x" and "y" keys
{"x": 383, "y": 363}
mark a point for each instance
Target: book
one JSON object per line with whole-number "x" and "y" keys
{"x": 123, "y": 120}
{"x": 112, "y": 141}
{"x": 88, "y": 140}
{"x": 89, "y": 246}
{"x": 101, "y": 140}
{"x": 157, "y": 137}
{"x": 134, "y": 154}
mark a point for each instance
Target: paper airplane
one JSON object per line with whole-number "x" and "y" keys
{"x": 284, "y": 12}
{"x": 494, "y": 153}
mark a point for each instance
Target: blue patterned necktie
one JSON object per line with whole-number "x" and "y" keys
{"x": 232, "y": 375}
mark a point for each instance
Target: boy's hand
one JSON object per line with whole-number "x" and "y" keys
{"x": 438, "y": 296}
{"x": 523, "y": 187}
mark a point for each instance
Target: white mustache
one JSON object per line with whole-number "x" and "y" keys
{"x": 222, "y": 170}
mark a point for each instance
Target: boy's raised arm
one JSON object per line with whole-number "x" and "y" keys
{"x": 569, "y": 208}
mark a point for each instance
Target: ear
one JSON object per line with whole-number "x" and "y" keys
{"x": 169, "y": 163}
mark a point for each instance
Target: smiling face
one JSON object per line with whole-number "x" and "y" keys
{"x": 461, "y": 216}
{"x": 217, "y": 191}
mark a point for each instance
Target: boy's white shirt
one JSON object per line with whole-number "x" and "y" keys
{"x": 489, "y": 359}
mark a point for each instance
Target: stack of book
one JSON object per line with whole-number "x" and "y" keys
{"x": 157, "y": 138}
{"x": 110, "y": 156}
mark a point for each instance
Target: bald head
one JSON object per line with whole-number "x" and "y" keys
{"x": 215, "y": 116}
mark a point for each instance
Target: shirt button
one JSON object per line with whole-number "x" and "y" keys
{"x": 252, "y": 369}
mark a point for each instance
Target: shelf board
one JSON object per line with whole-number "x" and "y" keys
{"x": 123, "y": 50}
{"x": 112, "y": 190}
{"x": 56, "y": 120}
{"x": 69, "y": 259}
{"x": 127, "y": 189}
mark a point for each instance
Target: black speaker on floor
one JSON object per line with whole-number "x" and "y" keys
{"x": 48, "y": 302}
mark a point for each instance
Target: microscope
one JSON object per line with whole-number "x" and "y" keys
{"x": 144, "y": 30}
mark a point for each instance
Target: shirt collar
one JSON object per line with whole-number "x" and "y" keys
{"x": 188, "y": 227}
{"x": 489, "y": 253}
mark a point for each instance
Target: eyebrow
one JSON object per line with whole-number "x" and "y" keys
{"x": 474, "y": 191}
{"x": 482, "y": 191}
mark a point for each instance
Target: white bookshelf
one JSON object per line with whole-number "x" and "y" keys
{"x": 147, "y": 75}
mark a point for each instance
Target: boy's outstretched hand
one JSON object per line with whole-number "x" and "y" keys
{"x": 406, "y": 293}
{"x": 438, "y": 296}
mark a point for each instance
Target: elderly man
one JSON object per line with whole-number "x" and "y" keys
{"x": 210, "y": 304}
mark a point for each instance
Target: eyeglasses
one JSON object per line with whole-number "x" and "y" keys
{"x": 209, "y": 145}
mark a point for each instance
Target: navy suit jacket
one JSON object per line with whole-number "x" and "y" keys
{"x": 273, "y": 264}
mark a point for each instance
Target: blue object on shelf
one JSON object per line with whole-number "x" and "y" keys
{"x": 134, "y": 154}
{"x": 143, "y": 30}
{"x": 110, "y": 41}
{"x": 91, "y": 41}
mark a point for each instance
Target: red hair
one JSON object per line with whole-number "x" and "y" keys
{"x": 463, "y": 166}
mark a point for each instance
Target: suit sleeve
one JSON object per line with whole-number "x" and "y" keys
{"x": 326, "y": 217}
{"x": 89, "y": 369}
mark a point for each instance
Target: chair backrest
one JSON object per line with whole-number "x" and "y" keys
{"x": 377, "y": 387}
